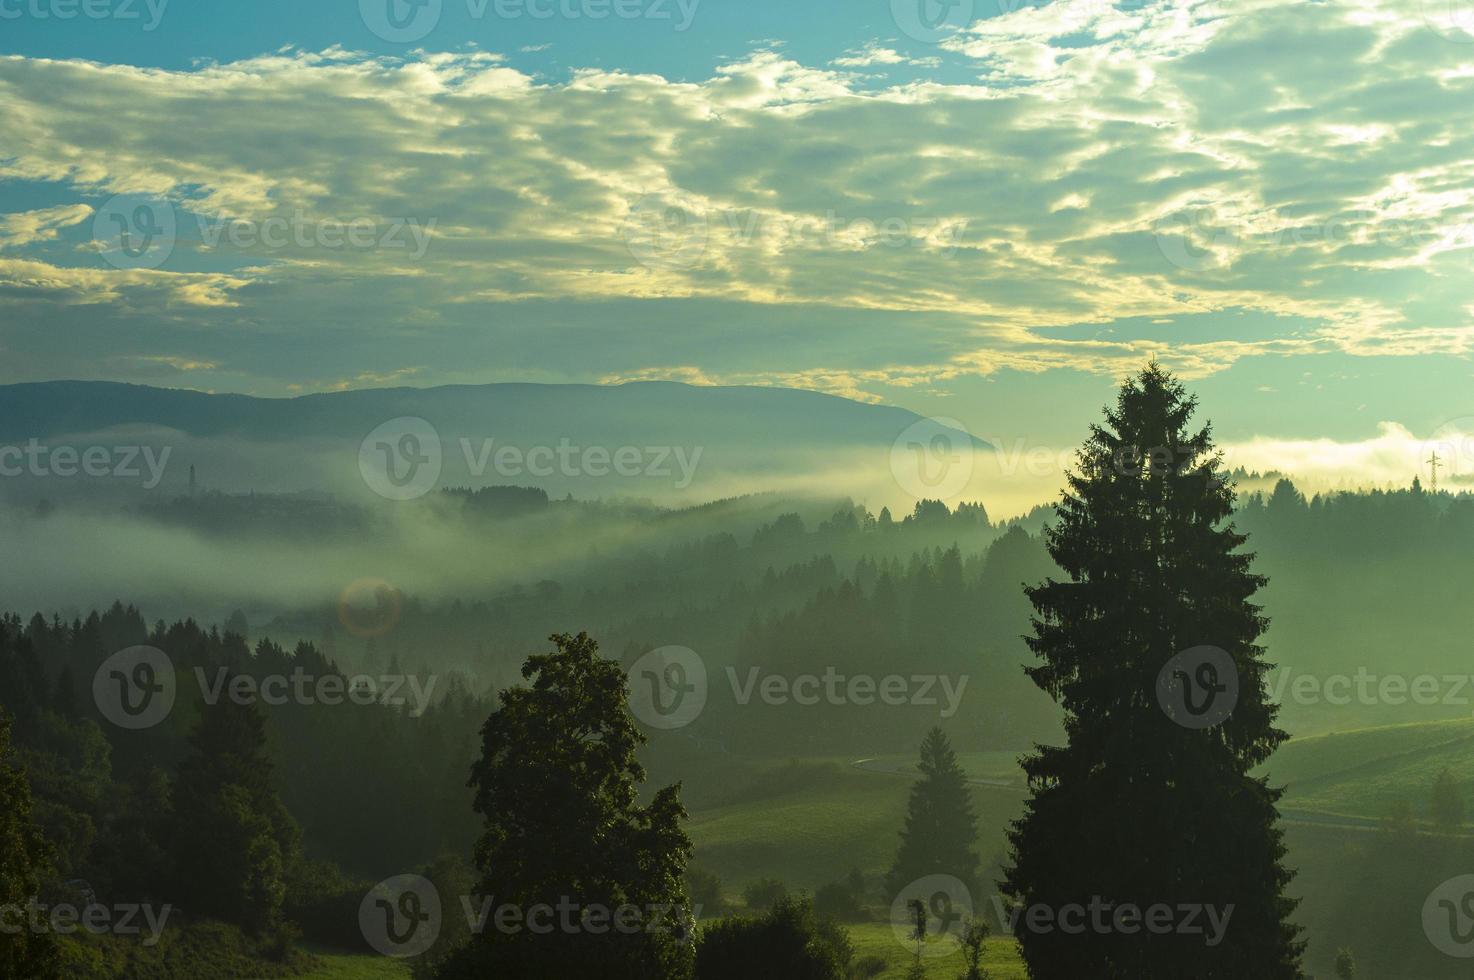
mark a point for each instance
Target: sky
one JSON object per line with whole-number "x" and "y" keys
{"x": 985, "y": 210}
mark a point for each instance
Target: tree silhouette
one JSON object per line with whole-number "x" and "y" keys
{"x": 557, "y": 784}
{"x": 1145, "y": 806}
{"x": 941, "y": 828}
{"x": 25, "y": 858}
{"x": 234, "y": 841}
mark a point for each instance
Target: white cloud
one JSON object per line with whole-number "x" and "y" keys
{"x": 1310, "y": 161}
{"x": 874, "y": 54}
{"x": 1391, "y": 458}
{"x": 29, "y": 227}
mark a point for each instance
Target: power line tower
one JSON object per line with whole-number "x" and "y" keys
{"x": 1433, "y": 463}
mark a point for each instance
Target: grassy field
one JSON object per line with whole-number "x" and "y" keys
{"x": 827, "y": 819}
{"x": 814, "y": 821}
{"x": 870, "y": 939}
{"x": 356, "y": 966}
{"x": 1001, "y": 957}
{"x": 809, "y": 823}
{"x": 1363, "y": 773}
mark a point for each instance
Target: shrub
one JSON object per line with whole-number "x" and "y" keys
{"x": 842, "y": 900}
{"x": 789, "y": 941}
{"x": 705, "y": 891}
{"x": 764, "y": 894}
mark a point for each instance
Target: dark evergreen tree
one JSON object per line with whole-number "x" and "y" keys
{"x": 25, "y": 859}
{"x": 558, "y": 785}
{"x": 1137, "y": 808}
{"x": 941, "y": 828}
{"x": 64, "y": 700}
{"x": 233, "y": 840}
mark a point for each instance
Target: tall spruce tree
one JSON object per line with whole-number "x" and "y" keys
{"x": 25, "y": 857}
{"x": 941, "y": 828}
{"x": 1138, "y": 808}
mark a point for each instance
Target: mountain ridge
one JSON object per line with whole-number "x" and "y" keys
{"x": 47, "y": 409}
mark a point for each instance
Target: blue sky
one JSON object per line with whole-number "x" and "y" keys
{"x": 675, "y": 40}
{"x": 987, "y": 210}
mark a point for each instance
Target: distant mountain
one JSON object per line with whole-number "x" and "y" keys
{"x": 725, "y": 440}
{"x": 649, "y": 412}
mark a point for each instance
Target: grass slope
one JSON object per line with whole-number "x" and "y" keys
{"x": 1362, "y": 773}
{"x": 814, "y": 822}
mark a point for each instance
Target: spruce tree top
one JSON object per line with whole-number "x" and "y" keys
{"x": 1154, "y": 567}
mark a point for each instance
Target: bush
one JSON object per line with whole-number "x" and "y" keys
{"x": 185, "y": 951}
{"x": 323, "y": 902}
{"x": 764, "y": 894}
{"x": 705, "y": 891}
{"x": 842, "y": 900}
{"x": 790, "y": 941}
{"x": 577, "y": 955}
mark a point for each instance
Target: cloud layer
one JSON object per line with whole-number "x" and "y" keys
{"x": 1179, "y": 163}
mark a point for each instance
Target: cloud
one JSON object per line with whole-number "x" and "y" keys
{"x": 180, "y": 364}
{"x": 1391, "y": 458}
{"x": 29, "y": 227}
{"x": 685, "y": 374}
{"x": 1169, "y": 160}
{"x": 874, "y": 54}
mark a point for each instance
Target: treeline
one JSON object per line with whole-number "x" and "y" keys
{"x": 112, "y": 801}
{"x": 948, "y": 625}
{"x": 194, "y": 827}
{"x": 1364, "y": 582}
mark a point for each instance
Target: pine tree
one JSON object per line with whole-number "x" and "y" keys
{"x": 558, "y": 786}
{"x": 1137, "y": 809}
{"x": 941, "y": 828}
{"x": 65, "y": 698}
{"x": 25, "y": 858}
